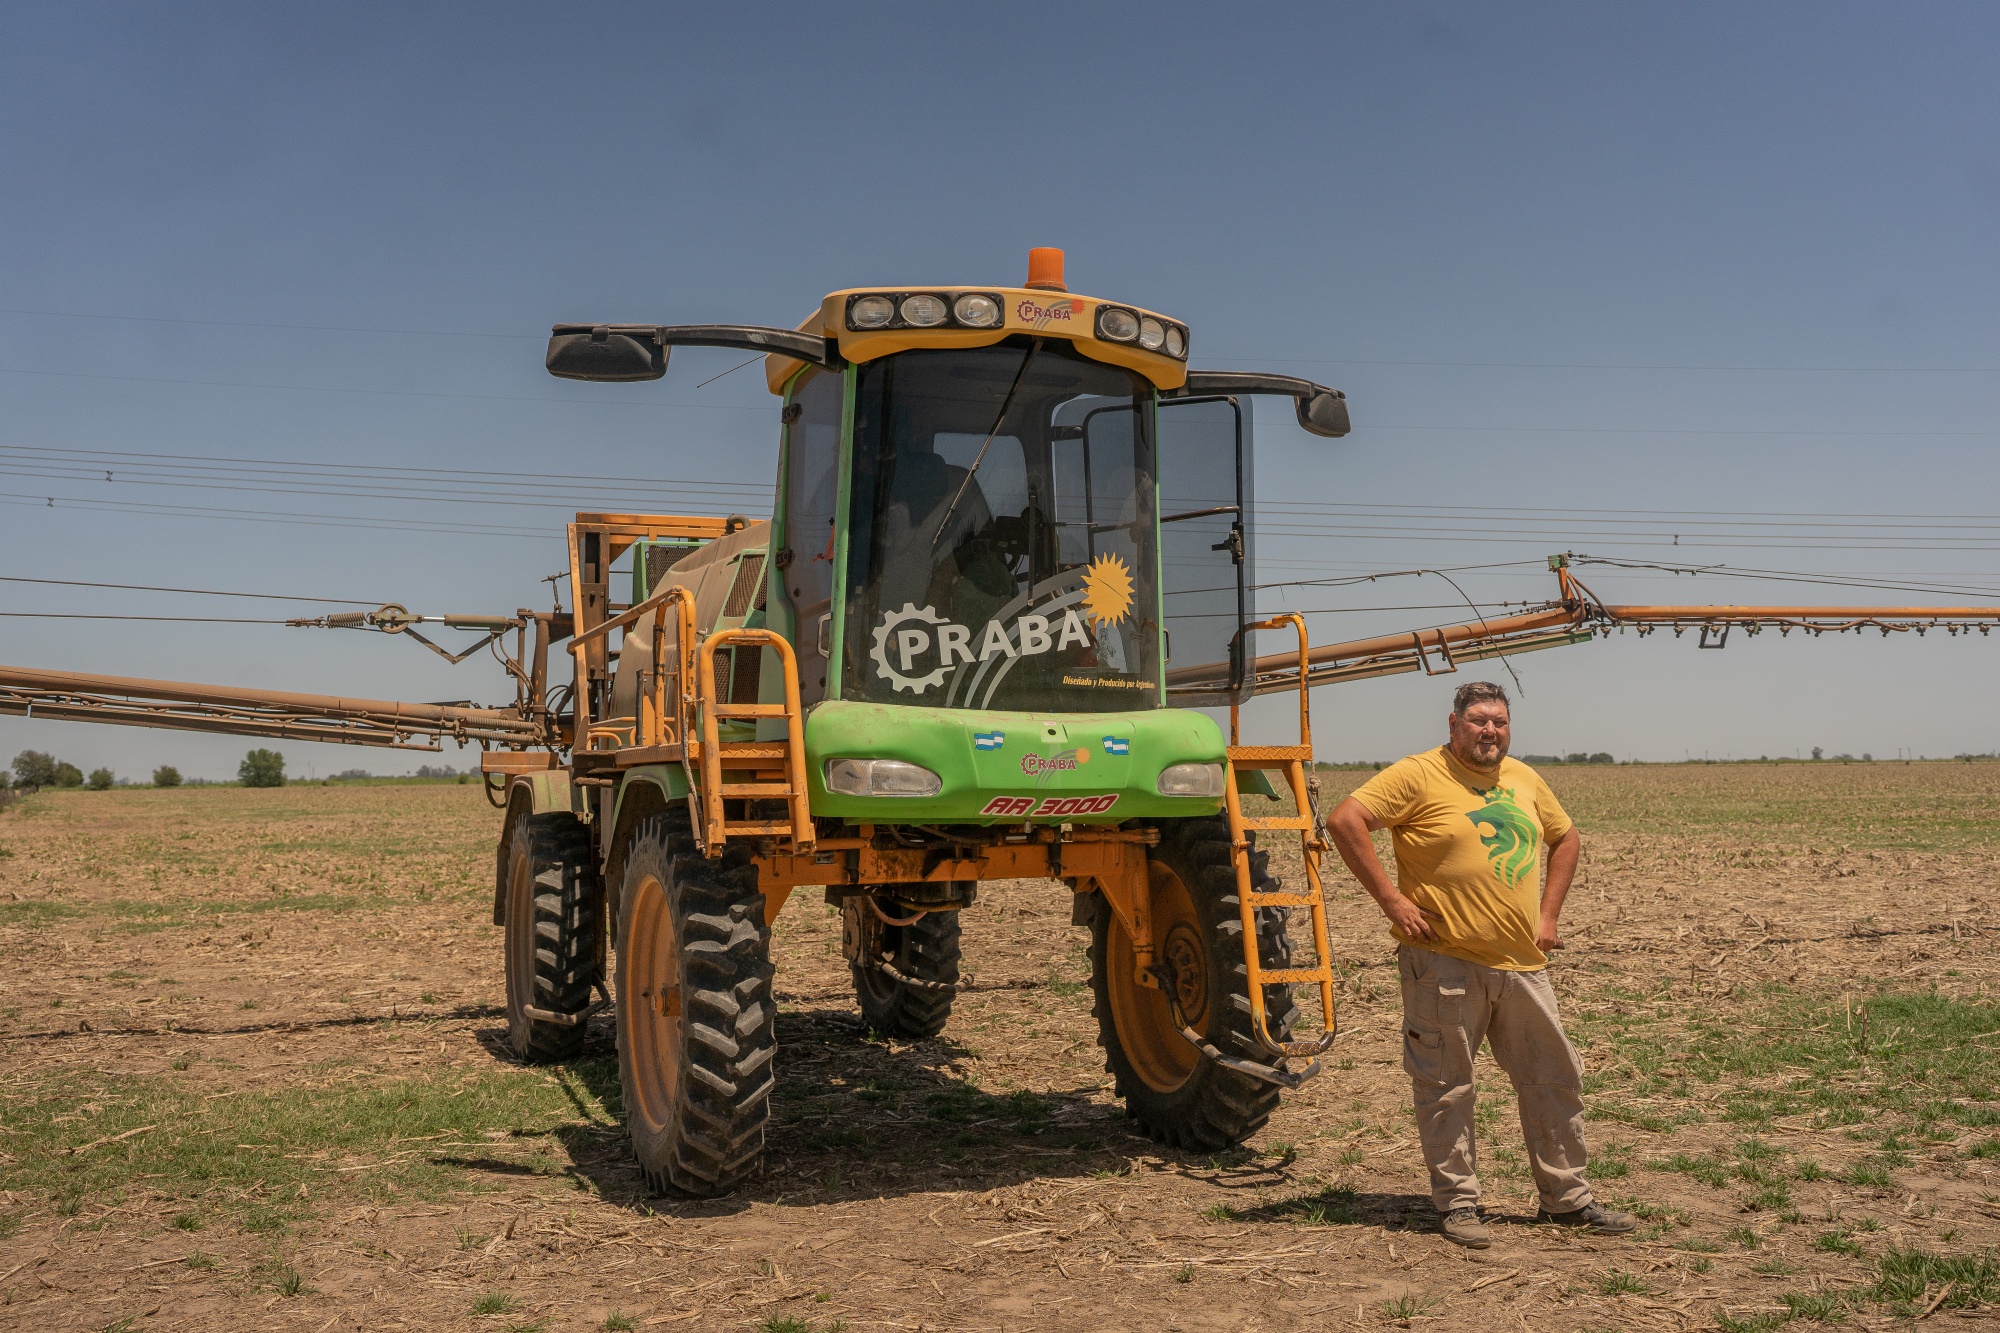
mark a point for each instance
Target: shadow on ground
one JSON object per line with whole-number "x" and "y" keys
{"x": 854, "y": 1116}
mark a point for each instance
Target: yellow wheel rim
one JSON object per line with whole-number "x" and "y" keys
{"x": 520, "y": 940}
{"x": 650, "y": 1010}
{"x": 1153, "y": 1045}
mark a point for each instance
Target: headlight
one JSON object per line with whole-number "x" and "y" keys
{"x": 1189, "y": 780}
{"x": 1151, "y": 333}
{"x": 1176, "y": 343}
{"x": 923, "y": 311}
{"x": 976, "y": 311}
{"x": 882, "y": 777}
{"x": 1119, "y": 326}
{"x": 870, "y": 312}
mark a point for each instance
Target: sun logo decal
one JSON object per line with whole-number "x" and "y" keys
{"x": 1107, "y": 590}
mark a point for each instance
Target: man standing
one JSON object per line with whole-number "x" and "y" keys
{"x": 1473, "y": 935}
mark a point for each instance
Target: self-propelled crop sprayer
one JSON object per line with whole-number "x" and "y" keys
{"x": 1009, "y": 558}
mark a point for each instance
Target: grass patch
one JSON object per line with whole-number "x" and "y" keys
{"x": 1869, "y": 1175}
{"x": 1410, "y": 1305}
{"x": 1821, "y": 1307}
{"x": 1910, "y": 1278}
{"x": 1707, "y": 1170}
{"x": 1618, "y": 1282}
{"x": 264, "y": 1158}
{"x": 495, "y": 1302}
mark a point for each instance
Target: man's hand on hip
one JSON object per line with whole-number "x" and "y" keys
{"x": 1407, "y": 917}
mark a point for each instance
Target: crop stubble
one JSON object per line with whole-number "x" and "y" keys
{"x": 256, "y": 1077}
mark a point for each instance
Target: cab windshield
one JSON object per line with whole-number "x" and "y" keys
{"x": 1001, "y": 536}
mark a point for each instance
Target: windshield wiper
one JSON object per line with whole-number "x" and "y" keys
{"x": 980, "y": 457}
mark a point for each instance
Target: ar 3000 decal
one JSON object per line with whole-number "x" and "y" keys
{"x": 1050, "y": 807}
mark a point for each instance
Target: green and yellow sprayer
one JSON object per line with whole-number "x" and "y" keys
{"x": 1009, "y": 559}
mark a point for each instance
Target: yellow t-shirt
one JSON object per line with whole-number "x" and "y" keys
{"x": 1468, "y": 853}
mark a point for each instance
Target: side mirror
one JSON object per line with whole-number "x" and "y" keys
{"x": 606, "y": 353}
{"x": 1324, "y": 413}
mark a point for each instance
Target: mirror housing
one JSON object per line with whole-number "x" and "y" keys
{"x": 1322, "y": 411}
{"x": 606, "y": 353}
{"x": 1325, "y": 413}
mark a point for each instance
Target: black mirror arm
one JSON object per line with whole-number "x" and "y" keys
{"x": 809, "y": 347}
{"x": 1321, "y": 410}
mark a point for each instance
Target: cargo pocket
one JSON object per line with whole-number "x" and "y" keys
{"x": 1423, "y": 1054}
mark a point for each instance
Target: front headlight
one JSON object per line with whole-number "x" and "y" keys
{"x": 1190, "y": 780}
{"x": 1176, "y": 342}
{"x": 976, "y": 311}
{"x": 1115, "y": 325}
{"x": 1151, "y": 333}
{"x": 882, "y": 777}
{"x": 923, "y": 311}
{"x": 870, "y": 312}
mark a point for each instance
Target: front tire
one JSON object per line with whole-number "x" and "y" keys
{"x": 1177, "y": 1094}
{"x": 697, "y": 1025}
{"x": 554, "y": 935}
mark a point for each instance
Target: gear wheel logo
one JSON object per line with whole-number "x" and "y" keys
{"x": 880, "y": 652}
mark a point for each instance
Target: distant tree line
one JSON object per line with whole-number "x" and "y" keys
{"x": 34, "y": 770}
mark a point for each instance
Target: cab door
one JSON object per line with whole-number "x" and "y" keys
{"x": 1207, "y": 570}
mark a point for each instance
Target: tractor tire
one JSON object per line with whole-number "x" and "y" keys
{"x": 554, "y": 935}
{"x": 926, "y": 950}
{"x": 697, "y": 1024}
{"x": 1178, "y": 1095}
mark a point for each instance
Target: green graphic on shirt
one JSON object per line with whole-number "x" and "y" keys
{"x": 1511, "y": 845}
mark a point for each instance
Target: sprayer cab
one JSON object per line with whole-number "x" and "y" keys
{"x": 970, "y": 510}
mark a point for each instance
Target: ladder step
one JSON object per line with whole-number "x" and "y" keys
{"x": 747, "y": 710}
{"x": 732, "y": 790}
{"x": 1280, "y": 823}
{"x": 1283, "y": 900}
{"x": 1290, "y": 976}
{"x": 735, "y": 830}
{"x": 1272, "y": 756}
{"x": 742, "y": 754}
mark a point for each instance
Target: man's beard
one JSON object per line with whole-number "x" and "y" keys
{"x": 1471, "y": 757}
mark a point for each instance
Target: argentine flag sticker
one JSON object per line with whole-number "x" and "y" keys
{"x": 1117, "y": 745}
{"x": 989, "y": 740}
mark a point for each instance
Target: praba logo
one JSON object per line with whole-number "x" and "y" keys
{"x": 909, "y": 638}
{"x": 1037, "y": 315}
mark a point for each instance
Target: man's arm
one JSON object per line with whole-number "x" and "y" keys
{"x": 1563, "y": 853}
{"x": 1350, "y": 824}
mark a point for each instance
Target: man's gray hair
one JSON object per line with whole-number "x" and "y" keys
{"x": 1478, "y": 692}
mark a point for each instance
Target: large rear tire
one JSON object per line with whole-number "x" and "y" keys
{"x": 926, "y": 951}
{"x": 1177, "y": 1094}
{"x": 697, "y": 1026}
{"x": 554, "y": 935}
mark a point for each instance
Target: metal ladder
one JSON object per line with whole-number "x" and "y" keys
{"x": 777, "y": 768}
{"x": 1293, "y": 761}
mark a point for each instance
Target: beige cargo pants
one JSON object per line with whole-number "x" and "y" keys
{"x": 1449, "y": 1007}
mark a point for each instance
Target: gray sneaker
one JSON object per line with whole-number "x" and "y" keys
{"x": 1593, "y": 1218}
{"x": 1461, "y": 1226}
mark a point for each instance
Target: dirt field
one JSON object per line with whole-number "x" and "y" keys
{"x": 254, "y": 1080}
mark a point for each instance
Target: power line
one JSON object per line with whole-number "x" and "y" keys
{"x": 85, "y": 615}
{"x": 538, "y": 478}
{"x": 253, "y": 324}
{"x": 199, "y": 592}
{"x": 391, "y": 393}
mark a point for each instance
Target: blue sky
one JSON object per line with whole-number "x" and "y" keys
{"x": 1678, "y": 267}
